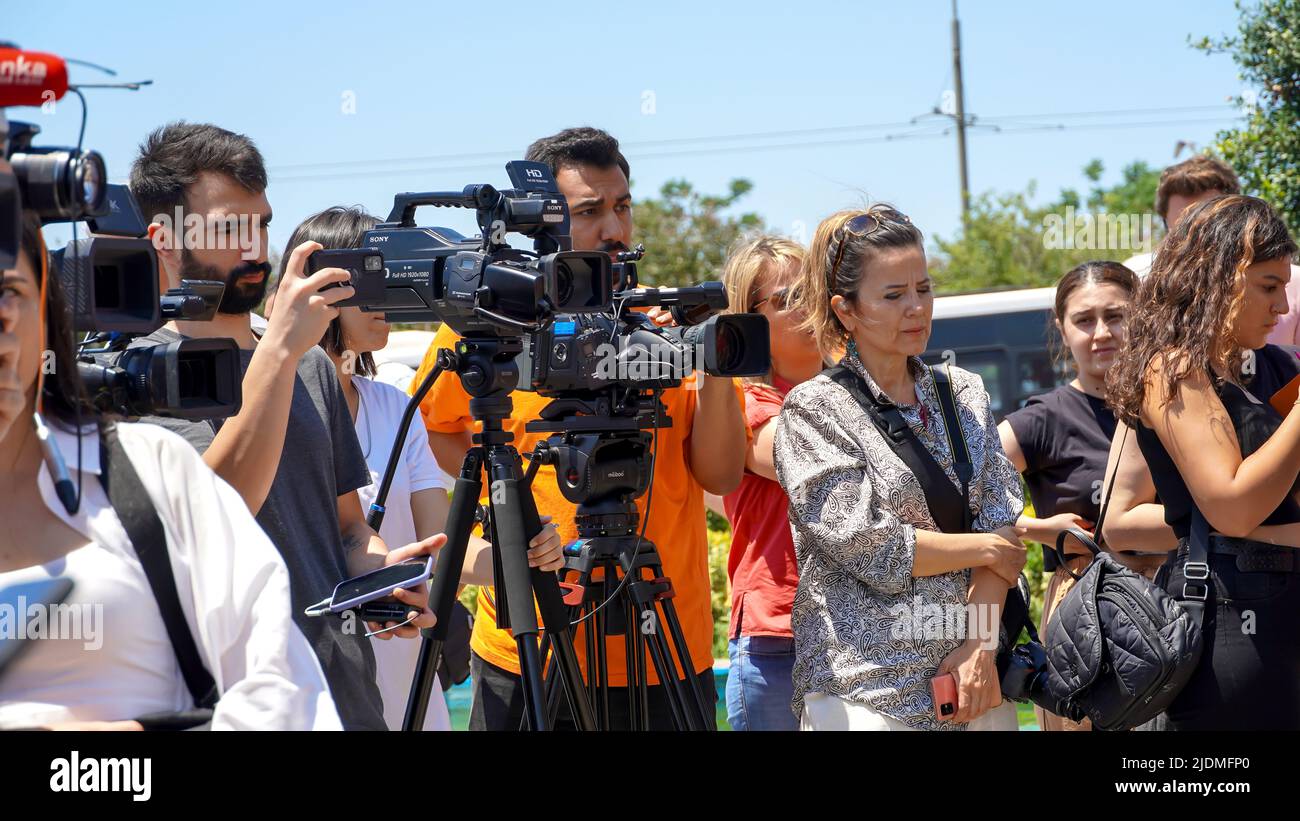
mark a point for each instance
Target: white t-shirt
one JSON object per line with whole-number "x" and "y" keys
{"x": 378, "y": 415}
{"x": 233, "y": 589}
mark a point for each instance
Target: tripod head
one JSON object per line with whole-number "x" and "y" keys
{"x": 600, "y": 450}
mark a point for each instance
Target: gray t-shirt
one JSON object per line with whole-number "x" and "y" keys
{"x": 321, "y": 460}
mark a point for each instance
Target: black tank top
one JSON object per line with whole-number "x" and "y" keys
{"x": 1254, "y": 423}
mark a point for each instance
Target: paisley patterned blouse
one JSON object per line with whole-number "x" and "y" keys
{"x": 861, "y": 621}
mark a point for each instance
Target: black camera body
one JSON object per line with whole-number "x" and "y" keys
{"x": 622, "y": 347}
{"x": 481, "y": 286}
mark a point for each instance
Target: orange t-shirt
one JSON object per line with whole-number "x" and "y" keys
{"x": 676, "y": 516}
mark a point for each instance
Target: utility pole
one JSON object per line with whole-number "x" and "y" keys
{"x": 961, "y": 115}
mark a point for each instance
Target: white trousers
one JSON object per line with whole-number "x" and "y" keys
{"x": 826, "y": 712}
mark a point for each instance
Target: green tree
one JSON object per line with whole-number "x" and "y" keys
{"x": 686, "y": 234}
{"x": 1008, "y": 241}
{"x": 1265, "y": 152}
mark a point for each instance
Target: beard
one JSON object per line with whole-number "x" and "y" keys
{"x": 239, "y": 297}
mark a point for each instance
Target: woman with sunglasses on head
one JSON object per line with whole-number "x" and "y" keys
{"x": 1224, "y": 462}
{"x": 119, "y": 669}
{"x": 875, "y": 571}
{"x": 417, "y": 499}
{"x": 760, "y": 273}
{"x": 1060, "y": 440}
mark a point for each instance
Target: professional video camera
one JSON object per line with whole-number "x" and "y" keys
{"x": 481, "y": 286}
{"x": 565, "y": 324}
{"x": 115, "y": 275}
{"x": 622, "y": 347}
{"x": 572, "y": 310}
{"x": 111, "y": 281}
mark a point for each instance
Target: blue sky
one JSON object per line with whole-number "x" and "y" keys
{"x": 445, "y": 93}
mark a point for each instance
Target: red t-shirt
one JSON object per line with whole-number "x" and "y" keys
{"x": 761, "y": 565}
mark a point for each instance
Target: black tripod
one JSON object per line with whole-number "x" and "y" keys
{"x": 601, "y": 462}
{"x": 485, "y": 367}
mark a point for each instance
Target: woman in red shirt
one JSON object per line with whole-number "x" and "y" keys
{"x": 759, "y": 274}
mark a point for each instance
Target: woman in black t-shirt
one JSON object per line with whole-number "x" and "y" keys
{"x": 1060, "y": 440}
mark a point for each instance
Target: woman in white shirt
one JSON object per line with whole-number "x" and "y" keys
{"x": 417, "y": 502}
{"x": 232, "y": 585}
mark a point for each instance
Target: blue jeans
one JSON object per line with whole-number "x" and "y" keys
{"x": 760, "y": 683}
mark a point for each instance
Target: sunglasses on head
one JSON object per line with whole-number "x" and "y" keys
{"x": 781, "y": 299}
{"x": 863, "y": 225}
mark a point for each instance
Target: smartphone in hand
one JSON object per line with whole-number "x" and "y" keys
{"x": 943, "y": 689}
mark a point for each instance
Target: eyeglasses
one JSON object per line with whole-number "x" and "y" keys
{"x": 781, "y": 299}
{"x": 863, "y": 225}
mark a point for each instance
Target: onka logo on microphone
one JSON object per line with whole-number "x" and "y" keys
{"x": 22, "y": 72}
{"x": 77, "y": 774}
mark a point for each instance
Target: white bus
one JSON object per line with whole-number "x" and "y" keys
{"x": 1001, "y": 335}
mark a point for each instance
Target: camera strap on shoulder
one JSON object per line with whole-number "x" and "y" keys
{"x": 140, "y": 520}
{"x": 949, "y": 506}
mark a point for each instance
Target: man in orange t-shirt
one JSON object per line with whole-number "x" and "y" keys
{"x": 703, "y": 450}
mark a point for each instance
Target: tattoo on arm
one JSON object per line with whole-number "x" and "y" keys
{"x": 351, "y": 542}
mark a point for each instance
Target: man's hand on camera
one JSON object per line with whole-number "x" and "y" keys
{"x": 417, "y": 597}
{"x": 302, "y": 313}
{"x": 661, "y": 316}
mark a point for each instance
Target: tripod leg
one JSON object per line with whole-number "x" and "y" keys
{"x": 512, "y": 548}
{"x": 629, "y": 645}
{"x": 567, "y": 664}
{"x": 593, "y": 683}
{"x": 551, "y": 682}
{"x": 442, "y": 590}
{"x": 684, "y": 654}
{"x": 664, "y": 667}
{"x": 602, "y": 632}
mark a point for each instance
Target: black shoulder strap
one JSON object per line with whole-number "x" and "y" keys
{"x": 948, "y": 506}
{"x": 140, "y": 520}
{"x": 1196, "y": 571}
{"x": 962, "y": 465}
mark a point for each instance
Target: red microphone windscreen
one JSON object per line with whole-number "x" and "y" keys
{"x": 31, "y": 77}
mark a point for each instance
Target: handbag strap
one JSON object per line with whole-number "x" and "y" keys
{"x": 947, "y": 505}
{"x": 1094, "y": 542}
{"x": 1196, "y": 571}
{"x": 140, "y": 520}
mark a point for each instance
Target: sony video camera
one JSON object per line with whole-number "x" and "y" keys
{"x": 620, "y": 346}
{"x": 481, "y": 286}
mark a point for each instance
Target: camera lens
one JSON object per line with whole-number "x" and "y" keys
{"x": 731, "y": 348}
{"x": 62, "y": 185}
{"x": 564, "y": 283}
